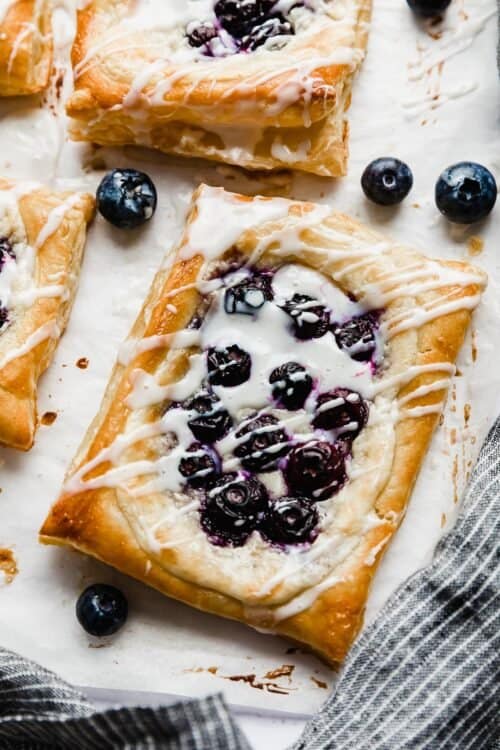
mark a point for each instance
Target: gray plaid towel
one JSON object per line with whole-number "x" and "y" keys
{"x": 424, "y": 676}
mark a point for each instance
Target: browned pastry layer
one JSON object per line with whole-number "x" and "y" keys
{"x": 428, "y": 310}
{"x": 25, "y": 47}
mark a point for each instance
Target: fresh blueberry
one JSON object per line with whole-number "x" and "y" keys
{"x": 199, "y": 466}
{"x": 428, "y": 8}
{"x": 248, "y": 296}
{"x": 126, "y": 198}
{"x": 233, "y": 509}
{"x": 466, "y": 192}
{"x": 357, "y": 336}
{"x": 387, "y": 181}
{"x": 342, "y": 410}
{"x": 273, "y": 27}
{"x": 199, "y": 35}
{"x": 290, "y": 520}
{"x": 311, "y": 319}
{"x": 101, "y": 609}
{"x": 210, "y": 420}
{"x": 265, "y": 442}
{"x": 229, "y": 367}
{"x": 316, "y": 469}
{"x": 292, "y": 385}
{"x": 6, "y": 251}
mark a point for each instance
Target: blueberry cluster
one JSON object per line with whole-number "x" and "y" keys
{"x": 236, "y": 504}
{"x": 247, "y": 23}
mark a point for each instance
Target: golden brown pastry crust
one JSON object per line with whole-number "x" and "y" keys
{"x": 229, "y": 111}
{"x": 58, "y": 257}
{"x": 94, "y": 521}
{"x": 25, "y": 47}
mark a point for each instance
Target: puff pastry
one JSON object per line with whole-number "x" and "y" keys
{"x": 42, "y": 235}
{"x": 265, "y": 86}
{"x": 265, "y": 422}
{"x": 25, "y": 46}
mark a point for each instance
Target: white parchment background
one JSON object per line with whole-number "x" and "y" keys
{"x": 427, "y": 95}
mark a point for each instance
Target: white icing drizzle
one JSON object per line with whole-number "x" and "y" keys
{"x": 220, "y": 221}
{"x": 54, "y": 220}
{"x": 47, "y": 331}
{"x": 5, "y": 6}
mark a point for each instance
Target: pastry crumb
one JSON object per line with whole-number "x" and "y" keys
{"x": 48, "y": 418}
{"x": 8, "y": 565}
{"x": 319, "y": 683}
{"x": 82, "y": 363}
{"x": 443, "y": 520}
{"x": 286, "y": 670}
{"x": 475, "y": 245}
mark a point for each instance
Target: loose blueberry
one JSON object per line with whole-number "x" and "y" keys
{"x": 387, "y": 181}
{"x": 311, "y": 319}
{"x": 292, "y": 385}
{"x": 199, "y": 35}
{"x": 228, "y": 367}
{"x": 248, "y": 296}
{"x": 126, "y": 198}
{"x": 211, "y": 420}
{"x": 357, "y": 336}
{"x": 6, "y": 251}
{"x": 428, "y": 8}
{"x": 291, "y": 520}
{"x": 316, "y": 469}
{"x": 342, "y": 410}
{"x": 264, "y": 444}
{"x": 198, "y": 466}
{"x": 101, "y": 609}
{"x": 466, "y": 192}
{"x": 233, "y": 509}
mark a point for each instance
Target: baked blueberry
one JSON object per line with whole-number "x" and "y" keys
{"x": 101, "y": 609}
{"x": 264, "y": 443}
{"x": 210, "y": 420}
{"x": 248, "y": 296}
{"x": 239, "y": 17}
{"x": 275, "y": 26}
{"x": 311, "y": 319}
{"x": 341, "y": 409}
{"x": 4, "y": 316}
{"x": 233, "y": 509}
{"x": 387, "y": 181}
{"x": 126, "y": 198}
{"x": 229, "y": 367}
{"x": 292, "y": 384}
{"x": 428, "y": 8}
{"x": 6, "y": 251}
{"x": 316, "y": 469}
{"x": 199, "y": 35}
{"x": 199, "y": 466}
{"x": 290, "y": 520}
{"x": 466, "y": 192}
{"x": 357, "y": 336}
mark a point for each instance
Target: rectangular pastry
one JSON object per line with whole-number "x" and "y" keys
{"x": 25, "y": 46}
{"x": 267, "y": 417}
{"x": 264, "y": 84}
{"x": 42, "y": 235}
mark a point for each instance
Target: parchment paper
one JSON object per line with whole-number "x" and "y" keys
{"x": 427, "y": 94}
